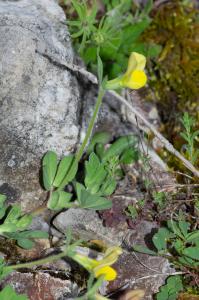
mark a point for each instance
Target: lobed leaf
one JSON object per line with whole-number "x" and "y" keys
{"x": 89, "y": 201}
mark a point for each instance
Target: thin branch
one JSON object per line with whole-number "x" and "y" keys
{"x": 156, "y": 275}
{"x": 93, "y": 79}
{"x": 163, "y": 140}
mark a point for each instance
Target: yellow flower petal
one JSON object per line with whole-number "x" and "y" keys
{"x": 110, "y": 256}
{"x": 108, "y": 272}
{"x": 135, "y": 80}
{"x": 136, "y": 62}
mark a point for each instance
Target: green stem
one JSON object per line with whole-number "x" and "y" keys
{"x": 37, "y": 262}
{"x": 91, "y": 124}
{"x": 114, "y": 84}
{"x": 85, "y": 141}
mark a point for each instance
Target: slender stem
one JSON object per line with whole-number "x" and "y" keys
{"x": 37, "y": 262}
{"x": 85, "y": 141}
{"x": 91, "y": 124}
{"x": 114, "y": 84}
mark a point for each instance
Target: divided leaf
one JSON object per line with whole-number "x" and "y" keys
{"x": 95, "y": 173}
{"x": 171, "y": 289}
{"x": 89, "y": 201}
{"x": 160, "y": 238}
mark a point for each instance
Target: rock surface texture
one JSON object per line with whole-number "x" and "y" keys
{"x": 39, "y": 100}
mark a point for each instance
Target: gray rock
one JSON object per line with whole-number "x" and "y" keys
{"x": 41, "y": 285}
{"x": 141, "y": 271}
{"x": 87, "y": 225}
{"x": 39, "y": 99}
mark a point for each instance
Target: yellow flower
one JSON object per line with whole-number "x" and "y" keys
{"x": 100, "y": 267}
{"x": 134, "y": 78}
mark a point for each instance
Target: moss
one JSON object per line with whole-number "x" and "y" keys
{"x": 175, "y": 74}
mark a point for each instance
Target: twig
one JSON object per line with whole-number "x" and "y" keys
{"x": 147, "y": 267}
{"x": 163, "y": 140}
{"x": 155, "y": 275}
{"x": 93, "y": 79}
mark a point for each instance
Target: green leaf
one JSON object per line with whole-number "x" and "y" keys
{"x": 13, "y": 215}
{"x": 187, "y": 261}
{"x": 2, "y": 212}
{"x": 90, "y": 55}
{"x": 24, "y": 222}
{"x": 178, "y": 245}
{"x": 192, "y": 252}
{"x": 2, "y": 200}
{"x": 49, "y": 164}
{"x": 33, "y": 234}
{"x": 98, "y": 138}
{"x": 3, "y": 269}
{"x": 25, "y": 243}
{"x": 191, "y": 237}
{"x": 100, "y": 149}
{"x": 195, "y": 134}
{"x": 108, "y": 187}
{"x": 79, "y": 187}
{"x": 160, "y": 238}
{"x": 132, "y": 32}
{"x": 59, "y": 200}
{"x": 148, "y": 7}
{"x": 184, "y": 227}
{"x": 10, "y": 227}
{"x": 95, "y": 173}
{"x": 89, "y": 201}
{"x": 8, "y": 293}
{"x": 99, "y": 69}
{"x": 129, "y": 156}
{"x": 145, "y": 250}
{"x": 63, "y": 168}
{"x": 119, "y": 146}
{"x": 171, "y": 289}
{"x": 153, "y": 50}
{"x": 80, "y": 9}
{"x": 174, "y": 226}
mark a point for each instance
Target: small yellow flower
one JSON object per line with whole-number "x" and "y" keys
{"x": 100, "y": 267}
{"x": 108, "y": 272}
{"x": 134, "y": 78}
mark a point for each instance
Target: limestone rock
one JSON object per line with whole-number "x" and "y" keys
{"x": 39, "y": 100}
{"x": 87, "y": 225}
{"x": 41, "y": 285}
